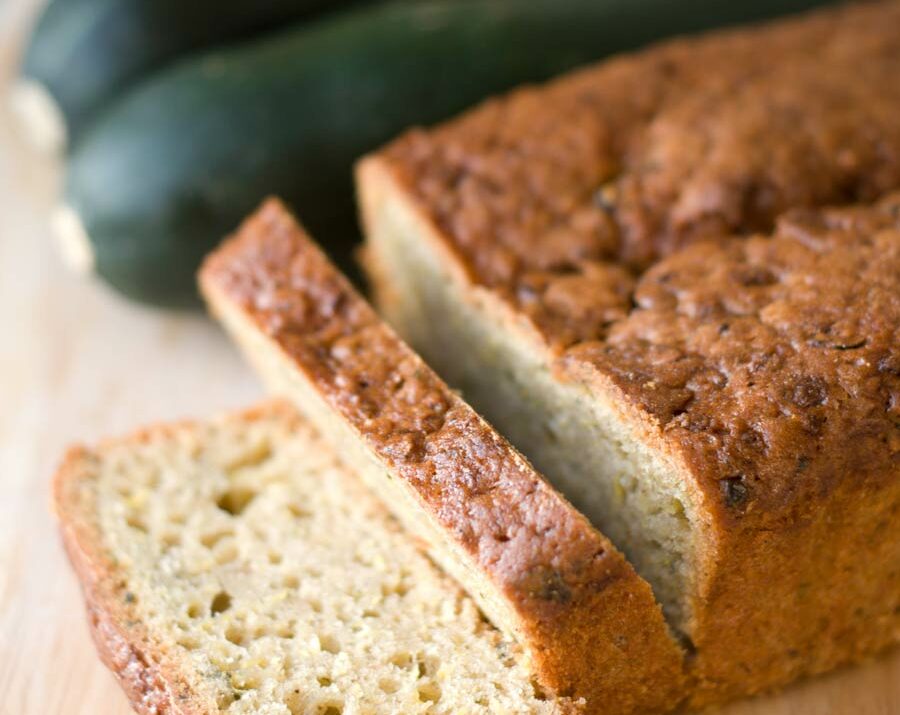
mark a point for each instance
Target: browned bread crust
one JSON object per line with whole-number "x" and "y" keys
{"x": 588, "y": 622}
{"x": 553, "y": 197}
{"x": 767, "y": 369}
{"x": 771, "y": 361}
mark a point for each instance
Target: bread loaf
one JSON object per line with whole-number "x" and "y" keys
{"x": 729, "y": 416}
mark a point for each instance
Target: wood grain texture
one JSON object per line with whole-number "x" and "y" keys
{"x": 77, "y": 363}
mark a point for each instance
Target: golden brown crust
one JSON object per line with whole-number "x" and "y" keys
{"x": 554, "y": 196}
{"x": 773, "y": 363}
{"x": 589, "y": 623}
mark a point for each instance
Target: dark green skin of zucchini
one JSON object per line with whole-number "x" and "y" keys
{"x": 180, "y": 161}
{"x": 85, "y": 52}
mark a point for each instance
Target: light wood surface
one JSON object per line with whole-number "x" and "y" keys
{"x": 78, "y": 363}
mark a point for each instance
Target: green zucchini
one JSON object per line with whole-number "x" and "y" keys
{"x": 178, "y": 162}
{"x": 83, "y": 52}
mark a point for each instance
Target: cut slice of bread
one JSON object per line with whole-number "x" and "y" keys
{"x": 236, "y": 566}
{"x": 588, "y": 624}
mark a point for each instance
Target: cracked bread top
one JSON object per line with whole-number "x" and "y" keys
{"x": 768, "y": 363}
{"x": 557, "y": 197}
{"x": 771, "y": 363}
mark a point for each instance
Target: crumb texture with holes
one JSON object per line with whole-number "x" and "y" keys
{"x": 233, "y": 566}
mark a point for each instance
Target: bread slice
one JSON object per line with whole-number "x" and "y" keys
{"x": 589, "y": 626}
{"x": 729, "y": 418}
{"x": 236, "y": 566}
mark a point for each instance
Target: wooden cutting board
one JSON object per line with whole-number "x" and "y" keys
{"x": 77, "y": 363}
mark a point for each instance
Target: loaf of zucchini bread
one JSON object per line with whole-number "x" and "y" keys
{"x": 599, "y": 265}
{"x": 588, "y": 625}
